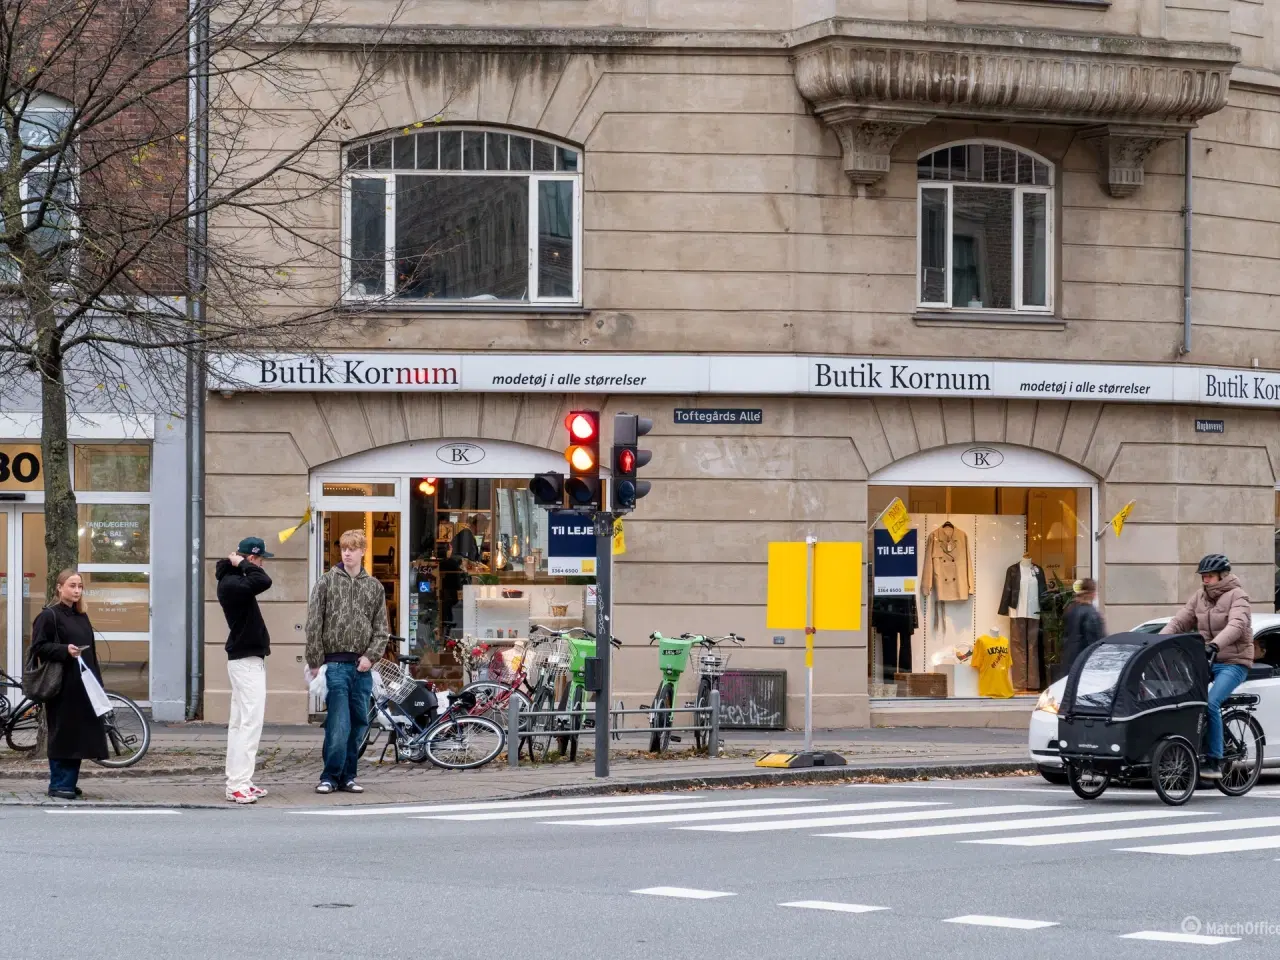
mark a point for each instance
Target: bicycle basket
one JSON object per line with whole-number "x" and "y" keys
{"x": 713, "y": 663}
{"x": 554, "y": 658}
{"x": 673, "y": 654}
{"x": 389, "y": 682}
{"x": 504, "y": 666}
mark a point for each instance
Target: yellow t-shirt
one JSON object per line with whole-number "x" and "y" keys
{"x": 992, "y": 660}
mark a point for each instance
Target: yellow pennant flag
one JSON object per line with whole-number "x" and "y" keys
{"x": 619, "y": 541}
{"x": 1117, "y": 522}
{"x": 896, "y": 520}
{"x": 286, "y": 534}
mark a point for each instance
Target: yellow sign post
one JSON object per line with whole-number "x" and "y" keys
{"x": 812, "y": 586}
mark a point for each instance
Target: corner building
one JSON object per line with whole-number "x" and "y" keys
{"x": 840, "y": 253}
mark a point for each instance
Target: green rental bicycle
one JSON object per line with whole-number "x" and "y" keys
{"x": 582, "y": 646}
{"x": 673, "y": 660}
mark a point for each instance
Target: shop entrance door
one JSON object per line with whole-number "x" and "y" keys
{"x": 22, "y": 582}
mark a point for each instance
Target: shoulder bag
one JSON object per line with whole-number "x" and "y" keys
{"x": 41, "y": 681}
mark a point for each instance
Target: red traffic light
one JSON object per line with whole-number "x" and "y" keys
{"x": 626, "y": 461}
{"x": 582, "y": 426}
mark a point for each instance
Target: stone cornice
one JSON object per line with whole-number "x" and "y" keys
{"x": 868, "y": 79}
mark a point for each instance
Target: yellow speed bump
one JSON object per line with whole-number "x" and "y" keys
{"x": 776, "y": 760}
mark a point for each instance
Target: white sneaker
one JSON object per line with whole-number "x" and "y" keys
{"x": 257, "y": 791}
{"x": 241, "y": 796}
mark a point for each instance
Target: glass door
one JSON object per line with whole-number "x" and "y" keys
{"x": 7, "y": 655}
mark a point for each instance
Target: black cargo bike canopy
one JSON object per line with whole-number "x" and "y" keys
{"x": 1132, "y": 673}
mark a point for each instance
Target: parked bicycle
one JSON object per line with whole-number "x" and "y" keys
{"x": 127, "y": 729}
{"x": 711, "y": 667}
{"x": 521, "y": 674}
{"x": 673, "y": 660}
{"x": 573, "y": 699}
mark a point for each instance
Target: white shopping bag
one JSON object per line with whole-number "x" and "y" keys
{"x": 97, "y": 696}
{"x": 317, "y": 684}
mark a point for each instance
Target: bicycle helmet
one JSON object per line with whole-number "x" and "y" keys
{"x": 1214, "y": 563}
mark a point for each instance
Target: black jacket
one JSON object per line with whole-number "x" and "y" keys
{"x": 1013, "y": 588}
{"x": 238, "y": 589}
{"x": 75, "y": 731}
{"x": 1082, "y": 627}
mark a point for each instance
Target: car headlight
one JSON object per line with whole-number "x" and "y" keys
{"x": 1047, "y": 703}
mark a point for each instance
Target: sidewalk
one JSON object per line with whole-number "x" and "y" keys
{"x": 184, "y": 767}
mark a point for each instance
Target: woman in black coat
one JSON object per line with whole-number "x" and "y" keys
{"x": 62, "y": 634}
{"x": 1083, "y": 624}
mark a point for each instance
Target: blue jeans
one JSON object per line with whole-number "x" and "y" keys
{"x": 1226, "y": 677}
{"x": 346, "y": 722}
{"x": 63, "y": 775}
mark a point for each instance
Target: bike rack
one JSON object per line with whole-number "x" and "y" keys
{"x": 515, "y": 715}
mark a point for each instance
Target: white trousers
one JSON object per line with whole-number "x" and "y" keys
{"x": 244, "y": 728}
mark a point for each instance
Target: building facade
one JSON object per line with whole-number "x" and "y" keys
{"x": 840, "y": 253}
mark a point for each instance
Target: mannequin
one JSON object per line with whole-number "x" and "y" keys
{"x": 1024, "y": 584}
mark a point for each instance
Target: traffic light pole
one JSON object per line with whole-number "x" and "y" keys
{"x": 604, "y": 631}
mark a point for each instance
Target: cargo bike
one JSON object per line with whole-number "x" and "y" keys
{"x": 1134, "y": 709}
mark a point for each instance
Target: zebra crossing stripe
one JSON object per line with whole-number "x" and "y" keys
{"x": 1131, "y": 833}
{"x": 587, "y": 811}
{"x": 684, "y": 893}
{"x": 699, "y": 815}
{"x": 835, "y": 907}
{"x": 811, "y": 822}
{"x": 1012, "y": 923}
{"x": 489, "y": 805}
{"x": 1161, "y": 936}
{"x": 997, "y": 826}
{"x": 1202, "y": 847}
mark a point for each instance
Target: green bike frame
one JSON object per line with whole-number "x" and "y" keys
{"x": 580, "y": 649}
{"x": 673, "y": 660}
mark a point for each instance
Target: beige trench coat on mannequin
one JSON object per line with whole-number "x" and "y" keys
{"x": 946, "y": 565}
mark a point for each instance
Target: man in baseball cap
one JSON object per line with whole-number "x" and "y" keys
{"x": 240, "y": 580}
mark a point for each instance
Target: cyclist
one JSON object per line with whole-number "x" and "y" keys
{"x": 1219, "y": 611}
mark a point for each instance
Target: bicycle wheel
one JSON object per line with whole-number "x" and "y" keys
{"x": 1174, "y": 771}
{"x": 576, "y": 723}
{"x": 1087, "y": 784}
{"x": 539, "y": 738}
{"x": 464, "y": 743}
{"x": 702, "y": 718}
{"x": 1242, "y": 758}
{"x": 562, "y": 722}
{"x": 373, "y": 731}
{"x": 493, "y": 700}
{"x": 23, "y": 729}
{"x": 128, "y": 733}
{"x": 660, "y": 719}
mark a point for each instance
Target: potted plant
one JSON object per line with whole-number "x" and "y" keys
{"x": 1053, "y": 609}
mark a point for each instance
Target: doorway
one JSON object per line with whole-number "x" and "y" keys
{"x": 22, "y": 581}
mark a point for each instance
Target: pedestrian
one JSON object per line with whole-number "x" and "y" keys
{"x": 346, "y": 632}
{"x": 241, "y": 580}
{"x": 1082, "y": 624}
{"x": 62, "y": 634}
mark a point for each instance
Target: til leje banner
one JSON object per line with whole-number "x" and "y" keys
{"x": 895, "y": 564}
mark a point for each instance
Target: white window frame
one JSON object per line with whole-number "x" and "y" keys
{"x": 534, "y": 177}
{"x": 1020, "y": 191}
{"x": 47, "y": 104}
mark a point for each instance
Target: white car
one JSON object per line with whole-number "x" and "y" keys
{"x": 1042, "y": 737}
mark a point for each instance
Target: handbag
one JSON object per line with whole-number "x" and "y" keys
{"x": 41, "y": 681}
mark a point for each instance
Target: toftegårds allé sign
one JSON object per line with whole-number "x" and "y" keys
{"x": 738, "y": 375}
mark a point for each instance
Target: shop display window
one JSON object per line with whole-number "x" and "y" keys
{"x": 976, "y": 589}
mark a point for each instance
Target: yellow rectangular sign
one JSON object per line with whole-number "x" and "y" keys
{"x": 788, "y": 575}
{"x": 619, "y": 539}
{"x": 896, "y": 520}
{"x": 837, "y": 586}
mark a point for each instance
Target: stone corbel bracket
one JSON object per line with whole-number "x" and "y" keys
{"x": 872, "y": 81}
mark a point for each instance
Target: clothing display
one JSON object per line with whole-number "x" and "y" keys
{"x": 991, "y": 658}
{"x": 1025, "y": 649}
{"x": 1024, "y": 585}
{"x": 946, "y": 571}
{"x": 895, "y": 619}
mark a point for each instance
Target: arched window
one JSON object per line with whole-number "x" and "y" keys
{"x": 986, "y": 229}
{"x": 463, "y": 214}
{"x": 48, "y": 190}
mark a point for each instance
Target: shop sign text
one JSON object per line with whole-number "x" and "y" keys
{"x": 982, "y": 458}
{"x": 1211, "y": 426}
{"x": 718, "y": 415}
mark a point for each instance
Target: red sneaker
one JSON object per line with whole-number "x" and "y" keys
{"x": 241, "y": 796}
{"x": 257, "y": 791}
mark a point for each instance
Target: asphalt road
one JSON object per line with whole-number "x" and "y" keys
{"x": 990, "y": 869}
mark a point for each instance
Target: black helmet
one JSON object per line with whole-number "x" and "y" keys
{"x": 1214, "y": 563}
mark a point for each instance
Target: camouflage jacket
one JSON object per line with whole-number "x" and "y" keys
{"x": 346, "y": 615}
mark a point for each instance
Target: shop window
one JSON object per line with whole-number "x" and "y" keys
{"x": 463, "y": 215}
{"x": 114, "y": 533}
{"x": 113, "y": 467}
{"x": 48, "y": 190}
{"x": 358, "y": 489}
{"x": 985, "y": 229}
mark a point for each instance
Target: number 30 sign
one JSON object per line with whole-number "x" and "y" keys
{"x": 19, "y": 466}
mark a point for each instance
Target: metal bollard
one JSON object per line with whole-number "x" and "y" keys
{"x": 713, "y": 741}
{"x": 513, "y": 733}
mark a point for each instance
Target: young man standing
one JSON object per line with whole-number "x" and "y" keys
{"x": 241, "y": 580}
{"x": 347, "y": 630}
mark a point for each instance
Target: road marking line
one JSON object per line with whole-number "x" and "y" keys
{"x": 1046, "y": 789}
{"x": 108, "y": 812}
{"x": 1129, "y": 833}
{"x": 685, "y": 893}
{"x": 810, "y": 823}
{"x": 737, "y": 814}
{"x": 1162, "y": 937}
{"x": 488, "y": 805}
{"x": 1013, "y": 923}
{"x": 828, "y": 905}
{"x": 996, "y": 826}
{"x": 1200, "y": 848}
{"x": 678, "y": 805}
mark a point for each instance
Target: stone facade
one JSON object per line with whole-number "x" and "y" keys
{"x": 722, "y": 213}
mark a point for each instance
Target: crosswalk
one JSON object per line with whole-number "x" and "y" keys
{"x": 1053, "y": 820}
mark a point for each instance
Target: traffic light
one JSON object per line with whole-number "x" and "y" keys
{"x": 548, "y": 489}
{"x": 628, "y": 458}
{"x": 583, "y": 454}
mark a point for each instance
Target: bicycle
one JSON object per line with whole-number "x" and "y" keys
{"x": 711, "y": 667}
{"x": 582, "y": 647}
{"x": 456, "y": 739}
{"x": 510, "y": 678}
{"x": 128, "y": 732}
{"x": 673, "y": 659}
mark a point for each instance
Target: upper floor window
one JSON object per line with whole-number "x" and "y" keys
{"x": 46, "y": 190}
{"x": 986, "y": 229}
{"x": 463, "y": 215}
